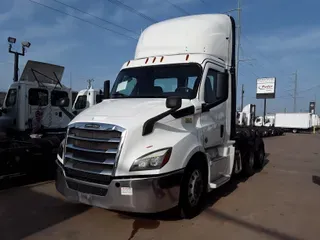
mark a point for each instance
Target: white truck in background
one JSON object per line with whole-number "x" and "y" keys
{"x": 33, "y": 121}
{"x": 247, "y": 118}
{"x": 294, "y": 122}
{"x": 166, "y": 134}
{"x": 86, "y": 98}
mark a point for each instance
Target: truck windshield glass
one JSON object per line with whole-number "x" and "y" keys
{"x": 81, "y": 102}
{"x": 11, "y": 98}
{"x": 158, "y": 81}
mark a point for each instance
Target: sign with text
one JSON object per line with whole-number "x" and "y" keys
{"x": 266, "y": 88}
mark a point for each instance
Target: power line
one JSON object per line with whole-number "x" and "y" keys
{"x": 177, "y": 7}
{"x": 131, "y": 9}
{"x": 104, "y": 20}
{"x": 105, "y": 28}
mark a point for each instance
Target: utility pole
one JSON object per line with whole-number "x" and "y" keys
{"x": 242, "y": 95}
{"x": 238, "y": 40}
{"x": 295, "y": 91}
{"x": 25, "y": 45}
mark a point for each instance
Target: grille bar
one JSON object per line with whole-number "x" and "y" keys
{"x": 110, "y": 151}
{"x": 110, "y": 140}
{"x": 105, "y": 162}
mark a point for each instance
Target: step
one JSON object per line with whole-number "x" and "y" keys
{"x": 219, "y": 182}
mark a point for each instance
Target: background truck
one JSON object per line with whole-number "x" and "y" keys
{"x": 166, "y": 134}
{"x": 294, "y": 122}
{"x": 32, "y": 121}
{"x": 247, "y": 119}
{"x": 87, "y": 98}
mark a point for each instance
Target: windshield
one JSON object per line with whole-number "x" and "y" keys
{"x": 81, "y": 102}
{"x": 158, "y": 81}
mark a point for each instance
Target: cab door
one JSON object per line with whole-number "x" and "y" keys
{"x": 213, "y": 120}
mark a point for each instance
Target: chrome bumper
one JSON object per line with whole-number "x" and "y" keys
{"x": 143, "y": 195}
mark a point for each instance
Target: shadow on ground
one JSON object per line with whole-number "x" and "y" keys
{"x": 316, "y": 180}
{"x": 24, "y": 212}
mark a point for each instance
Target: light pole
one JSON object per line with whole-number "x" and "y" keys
{"x": 25, "y": 45}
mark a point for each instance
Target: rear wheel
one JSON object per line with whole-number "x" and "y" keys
{"x": 248, "y": 164}
{"x": 259, "y": 158}
{"x": 193, "y": 190}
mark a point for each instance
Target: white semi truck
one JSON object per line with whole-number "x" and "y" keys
{"x": 167, "y": 134}
{"x": 32, "y": 121}
{"x": 86, "y": 98}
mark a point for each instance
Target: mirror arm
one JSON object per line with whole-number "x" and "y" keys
{"x": 149, "y": 124}
{"x": 66, "y": 112}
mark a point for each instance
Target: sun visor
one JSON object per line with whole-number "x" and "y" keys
{"x": 42, "y": 72}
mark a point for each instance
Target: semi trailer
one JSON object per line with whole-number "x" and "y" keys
{"x": 294, "y": 122}
{"x": 165, "y": 135}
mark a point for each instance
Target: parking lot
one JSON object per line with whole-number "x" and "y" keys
{"x": 281, "y": 202}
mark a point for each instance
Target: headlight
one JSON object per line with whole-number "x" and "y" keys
{"x": 151, "y": 161}
{"x": 60, "y": 151}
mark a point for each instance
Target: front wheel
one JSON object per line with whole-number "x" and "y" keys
{"x": 193, "y": 190}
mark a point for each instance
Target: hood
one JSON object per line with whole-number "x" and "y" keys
{"x": 127, "y": 112}
{"x": 46, "y": 69}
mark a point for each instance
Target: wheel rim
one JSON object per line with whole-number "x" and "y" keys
{"x": 195, "y": 188}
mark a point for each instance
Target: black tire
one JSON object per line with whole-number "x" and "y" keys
{"x": 259, "y": 158}
{"x": 194, "y": 182}
{"x": 248, "y": 163}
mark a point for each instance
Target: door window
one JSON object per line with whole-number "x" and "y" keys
{"x": 11, "y": 98}
{"x": 210, "y": 87}
{"x": 38, "y": 97}
{"x": 56, "y": 96}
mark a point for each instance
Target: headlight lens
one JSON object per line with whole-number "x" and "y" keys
{"x": 151, "y": 161}
{"x": 60, "y": 151}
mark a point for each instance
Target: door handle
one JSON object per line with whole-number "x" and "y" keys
{"x": 221, "y": 131}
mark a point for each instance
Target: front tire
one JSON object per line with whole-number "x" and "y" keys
{"x": 193, "y": 190}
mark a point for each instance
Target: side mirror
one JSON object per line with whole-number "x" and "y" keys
{"x": 173, "y": 102}
{"x": 106, "y": 89}
{"x": 222, "y": 85}
{"x": 63, "y": 102}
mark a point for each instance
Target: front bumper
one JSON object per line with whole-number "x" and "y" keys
{"x": 143, "y": 194}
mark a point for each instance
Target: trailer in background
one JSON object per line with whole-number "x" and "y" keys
{"x": 294, "y": 122}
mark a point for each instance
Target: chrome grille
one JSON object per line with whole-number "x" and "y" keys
{"x": 92, "y": 150}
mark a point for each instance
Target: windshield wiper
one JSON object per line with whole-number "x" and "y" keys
{"x": 117, "y": 94}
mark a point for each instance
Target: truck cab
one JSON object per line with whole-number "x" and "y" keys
{"x": 86, "y": 98}
{"x": 32, "y": 103}
{"x": 166, "y": 134}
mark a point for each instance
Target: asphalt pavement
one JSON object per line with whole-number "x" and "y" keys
{"x": 281, "y": 202}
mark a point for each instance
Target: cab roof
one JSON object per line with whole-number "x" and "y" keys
{"x": 209, "y": 34}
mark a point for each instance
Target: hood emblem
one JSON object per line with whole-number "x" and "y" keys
{"x": 92, "y": 125}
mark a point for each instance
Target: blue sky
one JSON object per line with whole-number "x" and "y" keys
{"x": 280, "y": 36}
